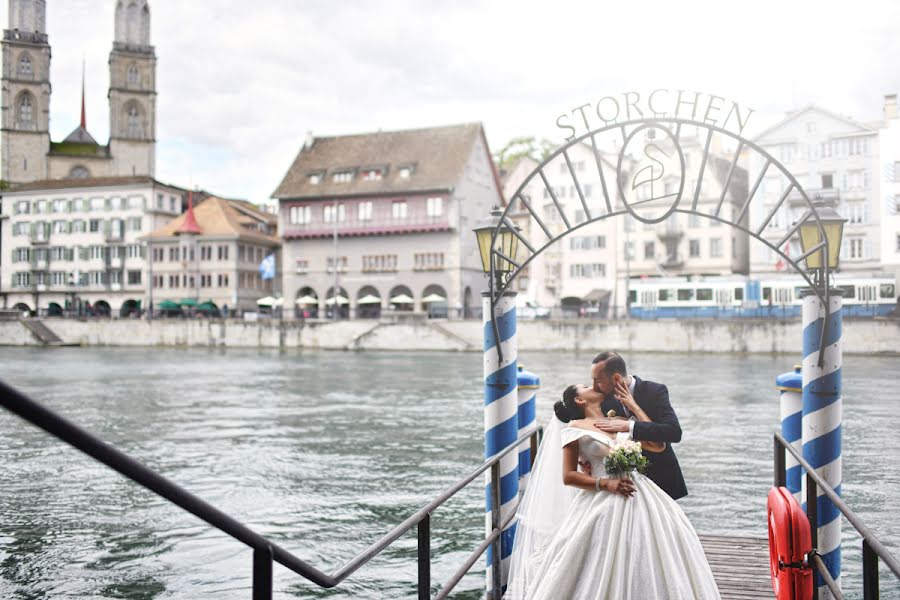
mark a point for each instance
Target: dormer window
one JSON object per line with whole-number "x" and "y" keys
{"x": 405, "y": 171}
{"x": 343, "y": 176}
{"x": 372, "y": 174}
{"x": 315, "y": 178}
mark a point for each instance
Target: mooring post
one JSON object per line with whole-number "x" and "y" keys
{"x": 790, "y": 387}
{"x": 822, "y": 416}
{"x": 528, "y": 383}
{"x": 501, "y": 420}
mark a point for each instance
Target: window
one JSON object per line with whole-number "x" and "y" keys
{"x": 694, "y": 248}
{"x": 315, "y": 178}
{"x": 223, "y": 280}
{"x": 587, "y": 270}
{"x": 206, "y": 252}
{"x": 398, "y": 209}
{"x": 685, "y": 294}
{"x": 856, "y": 248}
{"x": 300, "y": 215}
{"x": 79, "y": 172}
{"x": 704, "y": 294}
{"x": 115, "y": 277}
{"x": 428, "y": 261}
{"x": 665, "y": 295}
{"x": 21, "y": 255}
{"x": 174, "y": 205}
{"x": 372, "y": 174}
{"x": 629, "y": 248}
{"x": 98, "y": 204}
{"x": 886, "y": 290}
{"x": 341, "y": 262}
{"x": 223, "y": 252}
{"x": 434, "y": 207}
{"x": 25, "y": 68}
{"x": 135, "y": 223}
{"x": 587, "y": 242}
{"x": 173, "y": 254}
{"x": 379, "y": 263}
{"x": 405, "y": 171}
{"x": 22, "y": 280}
{"x": 715, "y": 247}
{"x": 134, "y": 76}
{"x": 25, "y": 111}
{"x": 22, "y": 207}
{"x": 343, "y": 177}
{"x": 60, "y": 205}
{"x": 133, "y": 122}
{"x": 135, "y": 251}
{"x": 587, "y": 190}
{"x": 60, "y": 227}
{"x": 649, "y": 250}
{"x": 858, "y": 212}
{"x": 827, "y": 181}
{"x": 898, "y": 243}
{"x": 136, "y": 202}
{"x": 364, "y": 211}
{"x": 330, "y": 211}
{"x": 303, "y": 266}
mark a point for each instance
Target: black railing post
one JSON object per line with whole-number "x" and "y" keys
{"x": 780, "y": 465}
{"x": 812, "y": 508}
{"x": 870, "y": 572}
{"x": 424, "y": 531}
{"x": 496, "y": 584}
{"x": 262, "y": 573}
{"x": 535, "y": 440}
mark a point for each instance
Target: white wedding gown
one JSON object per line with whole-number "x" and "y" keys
{"x": 608, "y": 547}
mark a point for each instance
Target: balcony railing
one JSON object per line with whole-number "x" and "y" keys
{"x": 360, "y": 227}
{"x": 832, "y": 196}
{"x": 31, "y": 37}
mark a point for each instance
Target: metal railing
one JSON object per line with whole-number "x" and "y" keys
{"x": 872, "y": 548}
{"x": 264, "y": 550}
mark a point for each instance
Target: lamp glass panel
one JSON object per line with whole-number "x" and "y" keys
{"x": 834, "y": 232}
{"x": 484, "y": 247}
{"x": 809, "y": 238}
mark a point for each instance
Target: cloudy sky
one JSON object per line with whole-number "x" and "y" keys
{"x": 240, "y": 83}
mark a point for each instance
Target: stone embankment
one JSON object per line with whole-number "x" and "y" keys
{"x": 860, "y": 336}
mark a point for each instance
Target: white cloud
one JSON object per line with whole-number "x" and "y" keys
{"x": 240, "y": 83}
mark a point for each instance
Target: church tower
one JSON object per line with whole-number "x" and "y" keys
{"x": 25, "y": 98}
{"x": 132, "y": 91}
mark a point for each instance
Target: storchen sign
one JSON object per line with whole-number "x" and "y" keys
{"x": 660, "y": 104}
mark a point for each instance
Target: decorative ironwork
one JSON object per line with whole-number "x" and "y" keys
{"x": 651, "y": 168}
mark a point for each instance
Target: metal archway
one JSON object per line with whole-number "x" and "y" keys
{"x": 671, "y": 127}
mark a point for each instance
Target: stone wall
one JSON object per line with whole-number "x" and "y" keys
{"x": 860, "y": 337}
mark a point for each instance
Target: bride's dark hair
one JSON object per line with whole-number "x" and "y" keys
{"x": 567, "y": 409}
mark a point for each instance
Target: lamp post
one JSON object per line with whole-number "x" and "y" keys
{"x": 821, "y": 229}
{"x": 497, "y": 239}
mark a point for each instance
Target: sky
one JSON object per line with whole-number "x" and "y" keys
{"x": 240, "y": 84}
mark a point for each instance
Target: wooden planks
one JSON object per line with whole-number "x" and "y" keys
{"x": 740, "y": 566}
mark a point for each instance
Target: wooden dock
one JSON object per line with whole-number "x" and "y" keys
{"x": 740, "y": 566}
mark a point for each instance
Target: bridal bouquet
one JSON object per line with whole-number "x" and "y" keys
{"x": 625, "y": 457}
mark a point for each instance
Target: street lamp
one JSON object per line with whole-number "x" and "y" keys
{"x": 503, "y": 251}
{"x": 811, "y": 238}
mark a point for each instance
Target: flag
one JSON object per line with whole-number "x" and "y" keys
{"x": 267, "y": 267}
{"x": 780, "y": 263}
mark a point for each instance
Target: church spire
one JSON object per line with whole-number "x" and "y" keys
{"x": 190, "y": 222}
{"x": 83, "y": 111}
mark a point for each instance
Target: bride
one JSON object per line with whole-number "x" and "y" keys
{"x": 582, "y": 536}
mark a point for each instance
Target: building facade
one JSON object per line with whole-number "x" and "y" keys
{"x": 382, "y": 222}
{"x": 26, "y": 151}
{"x": 211, "y": 255}
{"x": 835, "y": 159}
{"x": 889, "y": 186}
{"x": 74, "y": 246}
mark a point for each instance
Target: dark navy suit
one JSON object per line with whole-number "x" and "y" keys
{"x": 653, "y": 398}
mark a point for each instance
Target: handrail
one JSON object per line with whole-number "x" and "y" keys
{"x": 871, "y": 544}
{"x": 265, "y": 551}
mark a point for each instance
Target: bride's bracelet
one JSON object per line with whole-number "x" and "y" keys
{"x": 598, "y": 484}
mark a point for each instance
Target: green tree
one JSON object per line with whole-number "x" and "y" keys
{"x": 521, "y": 147}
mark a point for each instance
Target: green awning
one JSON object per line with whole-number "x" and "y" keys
{"x": 209, "y": 305}
{"x": 188, "y": 302}
{"x": 169, "y": 305}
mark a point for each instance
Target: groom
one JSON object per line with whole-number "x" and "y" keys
{"x": 612, "y": 380}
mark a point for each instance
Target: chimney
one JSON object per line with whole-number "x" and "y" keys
{"x": 309, "y": 141}
{"x": 890, "y": 106}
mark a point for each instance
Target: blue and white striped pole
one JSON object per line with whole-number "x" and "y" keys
{"x": 790, "y": 385}
{"x": 501, "y": 420}
{"x": 822, "y": 415}
{"x": 529, "y": 383}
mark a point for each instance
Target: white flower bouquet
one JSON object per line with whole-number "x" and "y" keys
{"x": 624, "y": 457}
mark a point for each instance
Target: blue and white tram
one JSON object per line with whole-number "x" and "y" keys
{"x": 738, "y": 296}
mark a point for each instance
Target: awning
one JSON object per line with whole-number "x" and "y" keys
{"x": 279, "y": 302}
{"x": 402, "y": 299}
{"x": 342, "y": 300}
{"x": 267, "y": 301}
{"x": 188, "y": 302}
{"x": 307, "y": 300}
{"x": 597, "y": 295}
{"x": 209, "y": 306}
{"x": 169, "y": 305}
{"x": 369, "y": 299}
{"x": 433, "y": 298}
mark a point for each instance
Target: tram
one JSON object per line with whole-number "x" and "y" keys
{"x": 764, "y": 297}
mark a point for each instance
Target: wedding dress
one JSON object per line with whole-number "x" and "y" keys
{"x": 573, "y": 544}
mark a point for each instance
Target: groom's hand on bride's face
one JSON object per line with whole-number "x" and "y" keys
{"x": 611, "y": 425}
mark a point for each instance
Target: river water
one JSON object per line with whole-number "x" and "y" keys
{"x": 324, "y": 452}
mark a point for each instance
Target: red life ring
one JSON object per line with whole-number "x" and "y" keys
{"x": 790, "y": 543}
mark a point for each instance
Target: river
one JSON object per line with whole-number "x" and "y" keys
{"x": 324, "y": 452}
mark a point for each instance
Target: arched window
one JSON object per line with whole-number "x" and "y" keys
{"x": 25, "y": 110}
{"x": 25, "y": 68}
{"x": 134, "y": 76}
{"x": 133, "y": 128}
{"x": 79, "y": 172}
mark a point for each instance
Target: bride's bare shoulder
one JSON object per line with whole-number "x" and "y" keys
{"x": 582, "y": 424}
